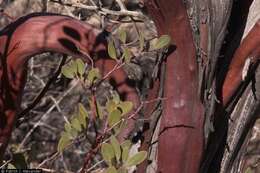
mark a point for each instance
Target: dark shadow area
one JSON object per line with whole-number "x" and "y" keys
{"x": 217, "y": 143}
{"x": 128, "y": 82}
{"x": 72, "y": 33}
{"x": 69, "y": 45}
{"x": 235, "y": 27}
{"x": 171, "y": 49}
{"x": 3, "y": 120}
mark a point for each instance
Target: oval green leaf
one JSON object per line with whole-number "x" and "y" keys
{"x": 93, "y": 75}
{"x": 82, "y": 115}
{"x": 136, "y": 159}
{"x": 125, "y": 150}
{"x": 126, "y": 144}
{"x": 122, "y": 170}
{"x": 112, "y": 50}
{"x": 82, "y": 110}
{"x": 107, "y": 152}
{"x": 248, "y": 170}
{"x": 114, "y": 117}
{"x": 73, "y": 66}
{"x": 162, "y": 42}
{"x": 75, "y": 123}
{"x": 127, "y": 54}
{"x": 10, "y": 166}
{"x": 122, "y": 35}
{"x": 126, "y": 107}
{"x": 67, "y": 72}
{"x": 116, "y": 146}
{"x": 125, "y": 154}
{"x": 111, "y": 169}
{"x": 73, "y": 133}
{"x": 80, "y": 66}
{"x": 63, "y": 142}
{"x": 110, "y": 106}
{"x": 67, "y": 127}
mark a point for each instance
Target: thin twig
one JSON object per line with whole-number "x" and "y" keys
{"x": 45, "y": 89}
{"x": 44, "y": 117}
{"x": 121, "y": 5}
{"x": 5, "y": 163}
{"x": 100, "y": 141}
{"x": 94, "y": 166}
{"x": 122, "y": 12}
{"x": 56, "y": 154}
{"x": 87, "y": 56}
{"x": 2, "y": 12}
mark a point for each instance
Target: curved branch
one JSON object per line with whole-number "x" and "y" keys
{"x": 41, "y": 32}
{"x": 249, "y": 48}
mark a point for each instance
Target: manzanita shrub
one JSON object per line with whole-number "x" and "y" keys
{"x": 114, "y": 115}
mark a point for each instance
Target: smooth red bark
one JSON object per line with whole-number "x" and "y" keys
{"x": 181, "y": 140}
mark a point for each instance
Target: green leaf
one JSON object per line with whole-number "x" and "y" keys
{"x": 136, "y": 159}
{"x": 126, "y": 107}
{"x": 73, "y": 133}
{"x": 83, "y": 115}
{"x": 116, "y": 146}
{"x": 122, "y": 170}
{"x": 11, "y": 166}
{"x": 93, "y": 75}
{"x": 112, "y": 50}
{"x": 248, "y": 170}
{"x": 125, "y": 154}
{"x": 107, "y": 152}
{"x": 110, "y": 106}
{"x": 67, "y": 127}
{"x": 63, "y": 142}
{"x": 125, "y": 150}
{"x": 73, "y": 66}
{"x": 82, "y": 111}
{"x": 80, "y": 66}
{"x": 67, "y": 72}
{"x": 122, "y": 35}
{"x": 70, "y": 131}
{"x": 111, "y": 169}
{"x": 162, "y": 42}
{"x": 114, "y": 117}
{"x": 127, "y": 54}
{"x": 126, "y": 144}
{"x": 75, "y": 123}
